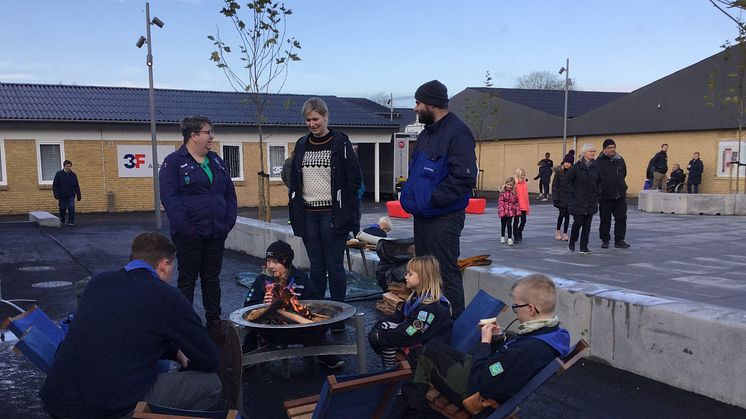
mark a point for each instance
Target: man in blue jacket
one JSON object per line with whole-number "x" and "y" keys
{"x": 65, "y": 188}
{"x": 128, "y": 320}
{"x": 200, "y": 202}
{"x": 442, "y": 173}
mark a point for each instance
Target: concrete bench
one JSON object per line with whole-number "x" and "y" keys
{"x": 44, "y": 219}
{"x": 692, "y": 204}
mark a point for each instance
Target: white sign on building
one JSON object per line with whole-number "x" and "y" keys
{"x": 137, "y": 160}
{"x": 728, "y": 154}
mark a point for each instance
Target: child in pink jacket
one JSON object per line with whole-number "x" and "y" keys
{"x": 507, "y": 209}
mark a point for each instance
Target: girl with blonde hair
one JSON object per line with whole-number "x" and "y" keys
{"x": 507, "y": 209}
{"x": 521, "y": 189}
{"x": 424, "y": 317}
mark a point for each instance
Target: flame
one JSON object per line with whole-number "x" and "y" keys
{"x": 289, "y": 300}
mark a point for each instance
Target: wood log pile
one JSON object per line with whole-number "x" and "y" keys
{"x": 396, "y": 295}
{"x": 284, "y": 309}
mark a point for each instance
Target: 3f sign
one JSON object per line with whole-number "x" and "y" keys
{"x": 133, "y": 161}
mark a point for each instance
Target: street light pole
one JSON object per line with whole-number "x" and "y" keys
{"x": 151, "y": 97}
{"x": 566, "y": 70}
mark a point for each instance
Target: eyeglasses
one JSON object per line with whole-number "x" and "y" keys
{"x": 208, "y": 132}
{"x": 515, "y": 307}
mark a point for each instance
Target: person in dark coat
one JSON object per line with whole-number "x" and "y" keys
{"x": 583, "y": 180}
{"x": 612, "y": 201}
{"x": 545, "y": 174}
{"x": 324, "y": 205}
{"x": 561, "y": 197}
{"x": 695, "y": 168}
{"x": 659, "y": 166}
{"x": 65, "y": 188}
{"x": 200, "y": 201}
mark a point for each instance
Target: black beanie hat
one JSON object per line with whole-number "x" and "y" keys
{"x": 281, "y": 252}
{"x": 568, "y": 159}
{"x": 433, "y": 93}
{"x": 608, "y": 142}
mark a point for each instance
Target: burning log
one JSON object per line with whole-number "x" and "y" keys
{"x": 295, "y": 318}
{"x": 284, "y": 309}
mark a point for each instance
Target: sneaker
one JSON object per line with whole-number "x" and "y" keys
{"x": 584, "y": 251}
{"x": 71, "y": 224}
{"x": 330, "y": 361}
{"x": 545, "y": 199}
{"x": 605, "y": 245}
{"x": 565, "y": 237}
{"x": 510, "y": 242}
{"x": 621, "y": 244}
{"x": 517, "y": 240}
{"x": 502, "y": 240}
{"x": 571, "y": 245}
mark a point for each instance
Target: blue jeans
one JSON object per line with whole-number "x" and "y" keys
{"x": 67, "y": 205}
{"x": 325, "y": 249}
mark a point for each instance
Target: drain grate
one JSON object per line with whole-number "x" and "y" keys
{"x": 36, "y": 268}
{"x": 51, "y": 284}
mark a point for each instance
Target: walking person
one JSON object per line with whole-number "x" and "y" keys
{"x": 200, "y": 202}
{"x": 695, "y": 167}
{"x": 612, "y": 201}
{"x": 521, "y": 190}
{"x": 561, "y": 197}
{"x": 66, "y": 188}
{"x": 442, "y": 174}
{"x": 659, "y": 166}
{"x": 507, "y": 209}
{"x": 324, "y": 205}
{"x": 583, "y": 179}
{"x": 545, "y": 174}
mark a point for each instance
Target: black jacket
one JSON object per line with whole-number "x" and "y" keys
{"x": 584, "y": 188}
{"x": 660, "y": 162}
{"x": 65, "y": 185}
{"x": 696, "y": 167}
{"x": 426, "y": 322}
{"x": 346, "y": 180}
{"x": 612, "y": 172}
{"x": 545, "y": 170}
{"x": 561, "y": 187}
{"x": 677, "y": 176}
{"x": 298, "y": 283}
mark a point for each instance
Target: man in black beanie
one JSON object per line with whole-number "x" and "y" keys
{"x": 442, "y": 173}
{"x": 613, "y": 197}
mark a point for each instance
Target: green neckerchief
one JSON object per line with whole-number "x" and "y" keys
{"x": 205, "y": 165}
{"x": 532, "y": 325}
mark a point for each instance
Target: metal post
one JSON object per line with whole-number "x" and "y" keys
{"x": 151, "y": 96}
{"x": 564, "y": 121}
{"x": 359, "y": 318}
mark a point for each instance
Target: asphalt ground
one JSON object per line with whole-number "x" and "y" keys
{"x": 98, "y": 242}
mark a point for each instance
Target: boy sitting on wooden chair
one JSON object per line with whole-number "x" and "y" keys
{"x": 497, "y": 371}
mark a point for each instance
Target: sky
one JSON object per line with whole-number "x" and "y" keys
{"x": 363, "y": 48}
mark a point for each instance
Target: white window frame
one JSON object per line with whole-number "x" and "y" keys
{"x": 38, "y": 159}
{"x": 269, "y": 169}
{"x": 4, "y": 164}
{"x": 240, "y": 158}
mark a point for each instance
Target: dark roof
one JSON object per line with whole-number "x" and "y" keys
{"x": 677, "y": 102}
{"x": 39, "y": 102}
{"x": 553, "y": 101}
{"x": 404, "y": 116}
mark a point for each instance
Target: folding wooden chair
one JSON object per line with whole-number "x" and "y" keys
{"x": 466, "y": 332}
{"x": 475, "y": 403}
{"x": 145, "y": 410}
{"x": 352, "y": 396}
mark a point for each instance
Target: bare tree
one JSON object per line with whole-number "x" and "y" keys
{"x": 544, "y": 80}
{"x": 381, "y": 98}
{"x": 264, "y": 52}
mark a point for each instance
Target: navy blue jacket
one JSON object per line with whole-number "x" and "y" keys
{"x": 696, "y": 167}
{"x": 194, "y": 206}
{"x": 65, "y": 185}
{"x": 499, "y": 375}
{"x": 442, "y": 171}
{"x": 298, "y": 283}
{"x": 124, "y": 324}
{"x": 346, "y": 180}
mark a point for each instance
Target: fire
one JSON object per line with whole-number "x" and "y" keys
{"x": 289, "y": 300}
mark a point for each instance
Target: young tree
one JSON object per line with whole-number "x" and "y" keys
{"x": 264, "y": 52}
{"x": 381, "y": 98}
{"x": 482, "y": 114}
{"x": 544, "y": 80}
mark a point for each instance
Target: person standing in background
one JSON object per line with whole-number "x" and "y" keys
{"x": 695, "y": 167}
{"x": 612, "y": 201}
{"x": 66, "y": 188}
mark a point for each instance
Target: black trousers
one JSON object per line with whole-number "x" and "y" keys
{"x": 506, "y": 222}
{"x": 519, "y": 222}
{"x": 618, "y": 209}
{"x": 692, "y": 186}
{"x": 203, "y": 258}
{"x": 440, "y": 237}
{"x": 544, "y": 187}
{"x": 563, "y": 218}
{"x": 583, "y": 222}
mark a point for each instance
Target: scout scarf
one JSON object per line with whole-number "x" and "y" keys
{"x": 532, "y": 325}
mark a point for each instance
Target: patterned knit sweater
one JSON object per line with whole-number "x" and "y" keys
{"x": 317, "y": 173}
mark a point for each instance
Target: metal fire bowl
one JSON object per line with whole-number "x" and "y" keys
{"x": 297, "y": 333}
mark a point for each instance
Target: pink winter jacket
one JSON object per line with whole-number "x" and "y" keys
{"x": 507, "y": 204}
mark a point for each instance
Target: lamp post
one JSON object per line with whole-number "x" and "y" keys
{"x": 151, "y": 96}
{"x": 566, "y": 70}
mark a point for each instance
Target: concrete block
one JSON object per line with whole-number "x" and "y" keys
{"x": 470, "y": 279}
{"x": 645, "y": 200}
{"x": 711, "y": 204}
{"x": 44, "y": 219}
{"x": 740, "y": 204}
{"x": 671, "y": 203}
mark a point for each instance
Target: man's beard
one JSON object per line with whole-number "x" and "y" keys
{"x": 427, "y": 117}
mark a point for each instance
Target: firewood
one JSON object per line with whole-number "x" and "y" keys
{"x": 317, "y": 317}
{"x": 294, "y": 317}
{"x": 269, "y": 310}
{"x": 254, "y": 314}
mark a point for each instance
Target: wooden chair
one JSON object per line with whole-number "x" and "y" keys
{"x": 466, "y": 331}
{"x": 475, "y": 403}
{"x": 352, "y": 396}
{"x": 145, "y": 410}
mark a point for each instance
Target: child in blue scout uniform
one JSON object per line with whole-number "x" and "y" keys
{"x": 424, "y": 317}
{"x": 279, "y": 272}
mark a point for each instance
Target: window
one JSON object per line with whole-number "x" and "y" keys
{"x": 49, "y": 157}
{"x": 233, "y": 160}
{"x": 3, "y": 175}
{"x": 277, "y": 156}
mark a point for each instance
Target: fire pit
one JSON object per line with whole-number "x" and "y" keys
{"x": 297, "y": 333}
